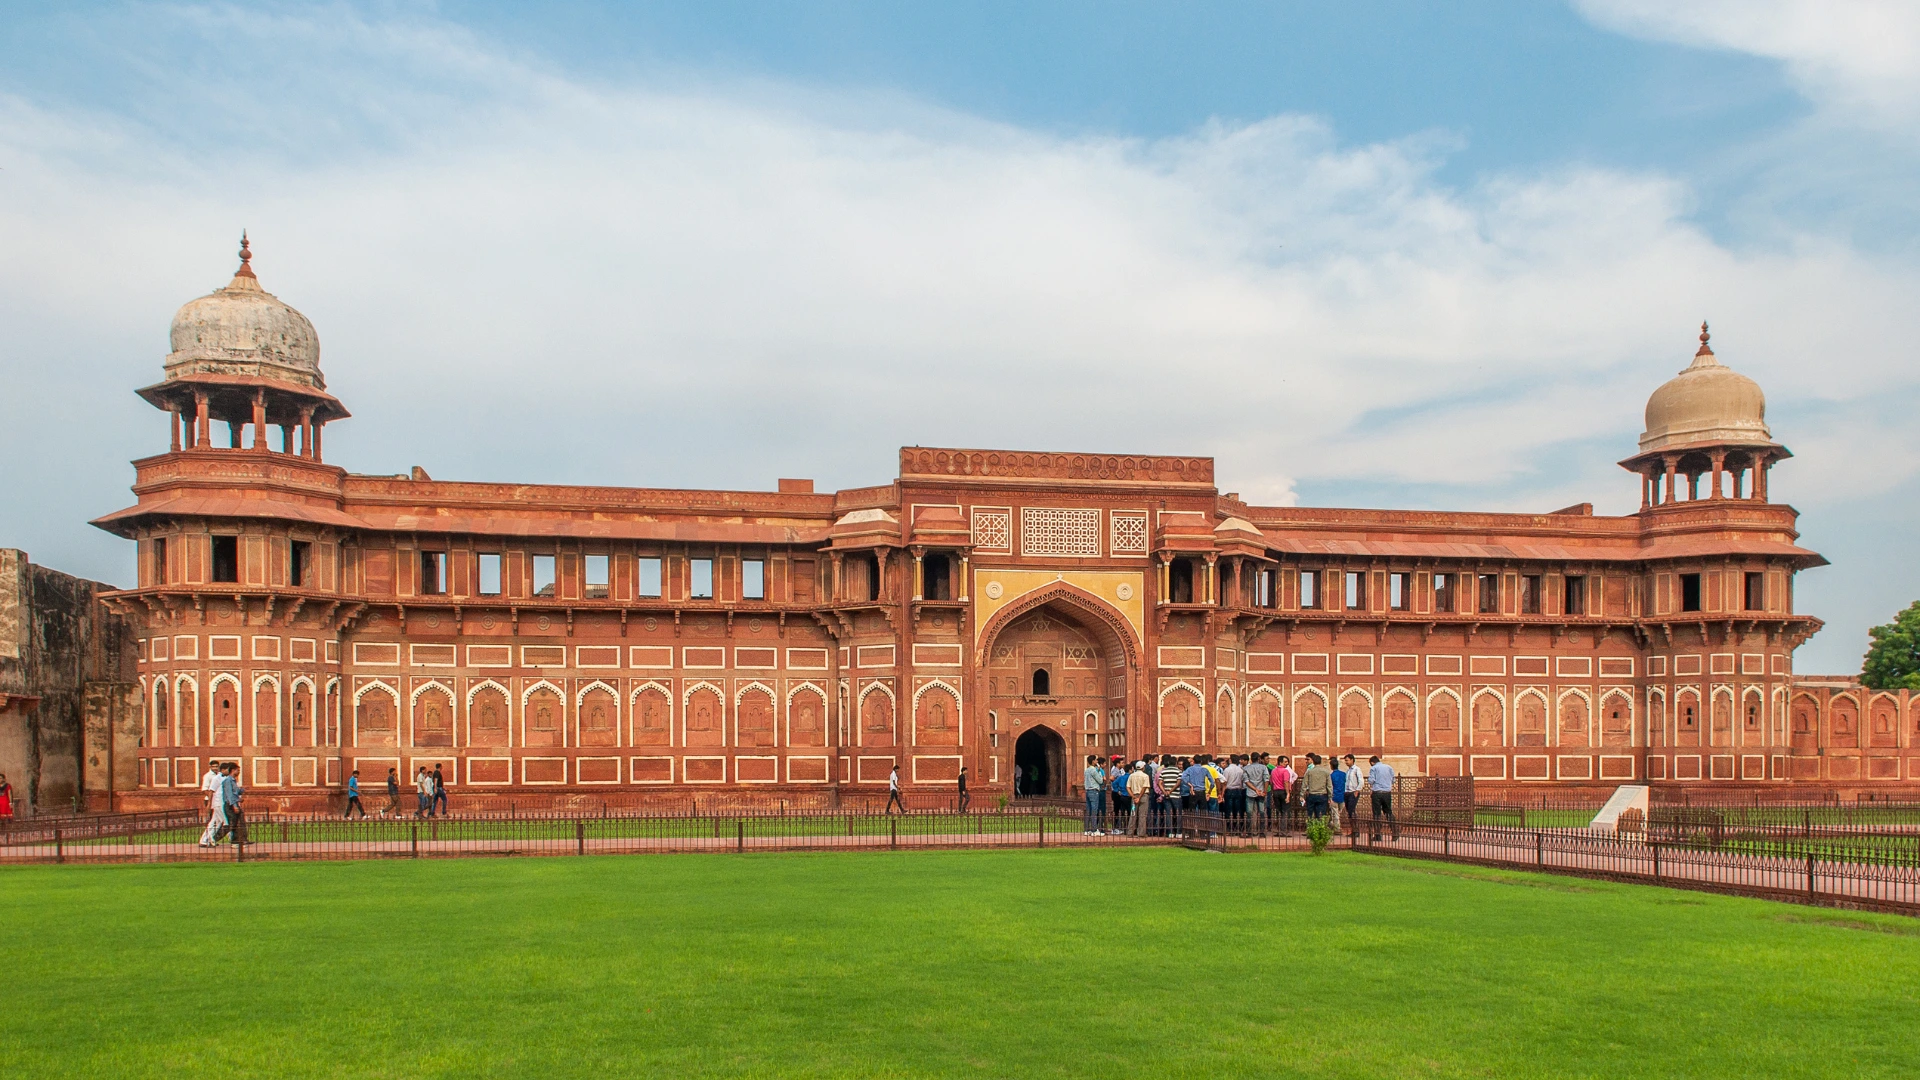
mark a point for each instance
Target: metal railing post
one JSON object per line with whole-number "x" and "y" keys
{"x": 893, "y": 832}
{"x": 1042, "y": 817}
{"x": 740, "y": 834}
{"x": 1810, "y": 893}
{"x": 413, "y": 838}
{"x": 1539, "y": 849}
{"x": 579, "y": 837}
{"x": 59, "y": 847}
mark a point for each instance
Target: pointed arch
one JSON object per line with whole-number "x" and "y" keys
{"x": 755, "y": 718}
{"x": 650, "y": 713}
{"x": 1226, "y": 716}
{"x": 543, "y": 714}
{"x": 1356, "y": 717}
{"x": 376, "y": 714}
{"x": 431, "y": 707}
{"x": 703, "y": 711}
{"x": 1573, "y": 718}
{"x": 878, "y": 709}
{"x": 1488, "y": 707}
{"x": 489, "y": 714}
{"x": 1399, "y": 718}
{"x": 1266, "y": 717}
{"x": 1532, "y": 717}
{"x": 1181, "y": 715}
{"x": 596, "y": 713}
{"x": 1444, "y": 711}
{"x": 806, "y": 715}
{"x": 936, "y": 714}
{"x": 1105, "y": 620}
{"x": 1311, "y": 710}
{"x": 1616, "y": 718}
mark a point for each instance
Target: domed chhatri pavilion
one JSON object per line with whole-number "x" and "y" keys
{"x": 1002, "y": 611}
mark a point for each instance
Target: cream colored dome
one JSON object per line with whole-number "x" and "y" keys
{"x": 244, "y": 330}
{"x": 1706, "y": 403}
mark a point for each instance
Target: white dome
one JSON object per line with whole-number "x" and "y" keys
{"x": 244, "y": 330}
{"x": 1706, "y": 403}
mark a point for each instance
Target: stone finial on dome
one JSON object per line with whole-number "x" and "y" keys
{"x": 242, "y": 330}
{"x": 1704, "y": 350}
{"x": 1707, "y": 403}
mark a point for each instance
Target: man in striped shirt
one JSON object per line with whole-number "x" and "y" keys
{"x": 1170, "y": 793}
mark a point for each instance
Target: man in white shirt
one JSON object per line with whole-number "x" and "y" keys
{"x": 216, "y": 807}
{"x": 893, "y": 790}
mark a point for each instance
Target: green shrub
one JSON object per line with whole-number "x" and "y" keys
{"x": 1319, "y": 833}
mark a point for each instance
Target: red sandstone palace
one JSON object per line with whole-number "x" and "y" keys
{"x": 1005, "y": 611}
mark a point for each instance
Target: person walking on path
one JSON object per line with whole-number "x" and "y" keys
{"x": 966, "y": 797}
{"x": 353, "y": 795}
{"x": 893, "y": 790}
{"x": 6, "y": 799}
{"x": 422, "y": 791}
{"x": 1380, "y": 782}
{"x": 392, "y": 809}
{"x": 1138, "y": 789}
{"x": 228, "y": 796}
{"x": 1338, "y": 777}
{"x": 1093, "y": 784}
{"x": 1355, "y": 782}
{"x": 210, "y": 788}
{"x": 1317, "y": 786}
{"x": 1119, "y": 796}
{"x": 439, "y": 794}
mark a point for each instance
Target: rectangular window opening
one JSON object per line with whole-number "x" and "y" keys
{"x": 1756, "y": 591}
{"x": 433, "y": 573}
{"x": 543, "y": 575}
{"x": 489, "y": 573}
{"x": 650, "y": 577}
{"x": 1576, "y": 595}
{"x": 299, "y": 555}
{"x": 1530, "y": 594}
{"x": 753, "y": 579}
{"x": 1443, "y": 593}
{"x": 1180, "y": 581}
{"x": 1689, "y": 592}
{"x": 701, "y": 586}
{"x": 1489, "y": 594}
{"x": 596, "y": 580}
{"x": 1309, "y": 589}
{"x": 226, "y": 558}
{"x": 1263, "y": 589}
{"x": 159, "y": 560}
{"x": 936, "y": 577}
{"x": 1400, "y": 591}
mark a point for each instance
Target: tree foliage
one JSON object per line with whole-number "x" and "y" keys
{"x": 1893, "y": 660}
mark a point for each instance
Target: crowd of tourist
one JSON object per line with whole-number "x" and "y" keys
{"x": 1161, "y": 795}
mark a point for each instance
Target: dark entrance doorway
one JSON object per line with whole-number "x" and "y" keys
{"x": 1040, "y": 763}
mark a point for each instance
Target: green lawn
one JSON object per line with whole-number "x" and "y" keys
{"x": 1153, "y": 962}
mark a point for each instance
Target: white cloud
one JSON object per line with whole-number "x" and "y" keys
{"x": 1860, "y": 56}
{"x": 520, "y": 276}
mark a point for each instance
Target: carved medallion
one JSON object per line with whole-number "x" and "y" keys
{"x": 433, "y": 620}
{"x": 994, "y": 589}
{"x": 651, "y": 623}
{"x": 488, "y": 623}
{"x": 544, "y": 623}
{"x": 1124, "y": 590}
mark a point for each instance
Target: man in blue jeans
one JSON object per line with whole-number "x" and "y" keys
{"x": 1380, "y": 782}
{"x": 1339, "y": 779}
{"x": 1094, "y": 783}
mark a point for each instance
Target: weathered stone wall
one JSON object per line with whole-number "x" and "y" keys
{"x": 70, "y": 724}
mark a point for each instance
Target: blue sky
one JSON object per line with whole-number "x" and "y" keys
{"x": 1365, "y": 254}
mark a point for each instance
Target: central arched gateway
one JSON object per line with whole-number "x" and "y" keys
{"x": 1039, "y": 764}
{"x": 1057, "y": 677}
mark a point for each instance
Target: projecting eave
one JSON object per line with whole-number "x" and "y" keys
{"x": 123, "y": 522}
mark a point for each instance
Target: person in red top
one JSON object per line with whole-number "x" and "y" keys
{"x": 6, "y": 798}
